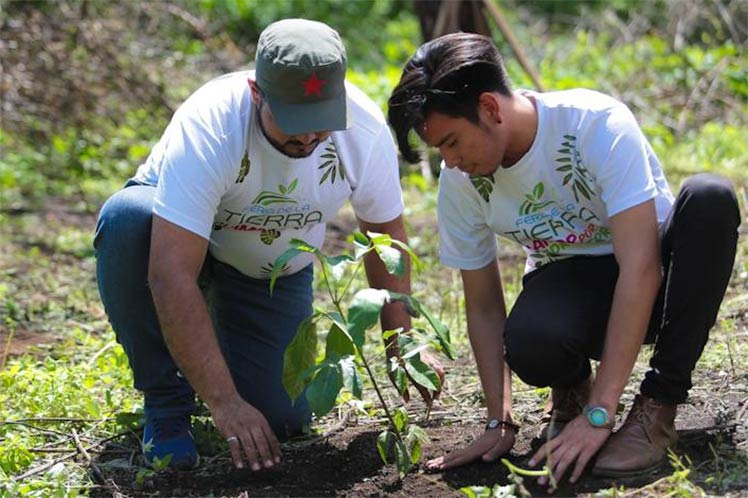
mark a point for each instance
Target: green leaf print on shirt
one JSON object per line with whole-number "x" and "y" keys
{"x": 532, "y": 202}
{"x": 573, "y": 169}
{"x": 268, "y": 197}
{"x": 484, "y": 185}
{"x": 243, "y": 169}
{"x": 332, "y": 165}
{"x": 269, "y": 235}
{"x": 267, "y": 269}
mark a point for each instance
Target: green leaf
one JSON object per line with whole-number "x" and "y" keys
{"x": 360, "y": 239}
{"x": 292, "y": 185}
{"x": 128, "y": 420}
{"x": 300, "y": 356}
{"x": 351, "y": 377}
{"x": 339, "y": 342}
{"x": 476, "y": 491}
{"x": 380, "y": 238}
{"x": 337, "y": 265}
{"x": 324, "y": 177}
{"x": 364, "y": 311}
{"x": 413, "y": 350}
{"x": 582, "y": 187}
{"x": 280, "y": 263}
{"x": 421, "y": 373}
{"x": 400, "y": 419}
{"x": 538, "y": 191}
{"x": 391, "y": 333}
{"x": 385, "y": 441}
{"x": 416, "y": 433}
{"x": 414, "y": 260}
{"x": 402, "y": 458}
{"x": 415, "y": 450}
{"x": 566, "y": 167}
{"x": 303, "y": 246}
{"x": 442, "y": 332}
{"x": 393, "y": 259}
{"x": 399, "y": 376}
{"x": 323, "y": 389}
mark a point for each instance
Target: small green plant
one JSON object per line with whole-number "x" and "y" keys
{"x": 157, "y": 465}
{"x": 344, "y": 357}
{"x": 516, "y": 488}
{"x": 496, "y": 491}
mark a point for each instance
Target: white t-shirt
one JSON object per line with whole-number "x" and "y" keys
{"x": 588, "y": 162}
{"x": 219, "y": 177}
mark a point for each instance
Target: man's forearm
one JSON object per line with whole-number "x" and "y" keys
{"x": 191, "y": 339}
{"x": 630, "y": 313}
{"x": 485, "y": 332}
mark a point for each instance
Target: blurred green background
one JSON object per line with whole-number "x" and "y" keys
{"x": 87, "y": 87}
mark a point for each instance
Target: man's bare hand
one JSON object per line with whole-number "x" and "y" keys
{"x": 576, "y": 444}
{"x": 488, "y": 447}
{"x": 244, "y": 427}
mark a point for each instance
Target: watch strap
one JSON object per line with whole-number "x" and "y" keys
{"x": 495, "y": 423}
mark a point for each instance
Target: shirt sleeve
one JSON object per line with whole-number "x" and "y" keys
{"x": 466, "y": 242}
{"x": 379, "y": 198}
{"x": 616, "y": 153}
{"x": 193, "y": 174}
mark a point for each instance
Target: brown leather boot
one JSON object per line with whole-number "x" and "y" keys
{"x": 562, "y": 407}
{"x": 641, "y": 444}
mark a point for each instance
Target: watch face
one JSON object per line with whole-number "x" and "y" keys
{"x": 492, "y": 424}
{"x": 597, "y": 416}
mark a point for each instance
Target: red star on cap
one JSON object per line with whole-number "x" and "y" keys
{"x": 313, "y": 85}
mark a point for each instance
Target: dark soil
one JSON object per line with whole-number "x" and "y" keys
{"x": 346, "y": 463}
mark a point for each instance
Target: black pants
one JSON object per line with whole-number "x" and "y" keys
{"x": 560, "y": 318}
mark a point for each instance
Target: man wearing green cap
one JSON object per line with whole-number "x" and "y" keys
{"x": 185, "y": 250}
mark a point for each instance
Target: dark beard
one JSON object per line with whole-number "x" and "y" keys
{"x": 282, "y": 148}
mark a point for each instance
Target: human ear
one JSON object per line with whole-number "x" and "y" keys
{"x": 489, "y": 103}
{"x": 255, "y": 90}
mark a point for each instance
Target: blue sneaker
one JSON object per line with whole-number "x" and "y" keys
{"x": 170, "y": 436}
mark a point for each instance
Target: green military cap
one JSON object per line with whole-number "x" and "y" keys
{"x": 300, "y": 70}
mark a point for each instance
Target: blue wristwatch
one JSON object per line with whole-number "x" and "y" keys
{"x": 598, "y": 416}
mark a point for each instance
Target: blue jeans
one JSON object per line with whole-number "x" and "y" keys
{"x": 253, "y": 329}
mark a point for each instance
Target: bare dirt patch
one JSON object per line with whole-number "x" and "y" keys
{"x": 22, "y": 341}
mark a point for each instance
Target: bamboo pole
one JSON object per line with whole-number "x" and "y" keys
{"x": 513, "y": 43}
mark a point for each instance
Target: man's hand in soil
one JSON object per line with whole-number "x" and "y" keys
{"x": 245, "y": 427}
{"x": 488, "y": 447}
{"x": 578, "y": 442}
